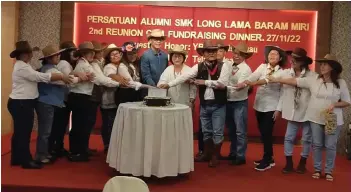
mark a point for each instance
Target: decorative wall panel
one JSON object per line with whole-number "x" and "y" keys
{"x": 340, "y": 46}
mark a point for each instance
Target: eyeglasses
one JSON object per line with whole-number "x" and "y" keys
{"x": 177, "y": 56}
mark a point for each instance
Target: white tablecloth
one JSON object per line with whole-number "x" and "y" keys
{"x": 149, "y": 141}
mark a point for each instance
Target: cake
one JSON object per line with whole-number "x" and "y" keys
{"x": 157, "y": 101}
{"x": 157, "y": 98}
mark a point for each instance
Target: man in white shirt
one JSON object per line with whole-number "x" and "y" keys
{"x": 222, "y": 51}
{"x": 237, "y": 105}
{"x": 209, "y": 74}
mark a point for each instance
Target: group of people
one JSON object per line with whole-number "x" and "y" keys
{"x": 304, "y": 98}
{"x": 79, "y": 79}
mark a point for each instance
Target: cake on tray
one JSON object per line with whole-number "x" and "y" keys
{"x": 157, "y": 98}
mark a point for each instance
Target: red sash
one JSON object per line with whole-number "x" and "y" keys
{"x": 213, "y": 71}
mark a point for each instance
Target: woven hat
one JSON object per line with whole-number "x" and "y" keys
{"x": 178, "y": 49}
{"x": 281, "y": 52}
{"x": 21, "y": 47}
{"x": 332, "y": 61}
{"x": 208, "y": 45}
{"x": 97, "y": 46}
{"x": 242, "y": 48}
{"x": 221, "y": 45}
{"x": 111, "y": 48}
{"x": 300, "y": 54}
{"x": 156, "y": 33}
{"x": 68, "y": 45}
{"x": 51, "y": 50}
{"x": 83, "y": 47}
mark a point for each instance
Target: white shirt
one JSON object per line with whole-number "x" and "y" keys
{"x": 209, "y": 94}
{"x": 322, "y": 96}
{"x": 108, "y": 95}
{"x": 181, "y": 93}
{"x": 64, "y": 67}
{"x": 239, "y": 73}
{"x": 267, "y": 96}
{"x": 86, "y": 87}
{"x": 25, "y": 81}
{"x": 286, "y": 102}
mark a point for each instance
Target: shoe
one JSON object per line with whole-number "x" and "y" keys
{"x": 62, "y": 152}
{"x": 78, "y": 158}
{"x": 301, "y": 168}
{"x": 271, "y": 162}
{"x": 91, "y": 152}
{"x": 263, "y": 166}
{"x": 52, "y": 158}
{"x": 207, "y": 154}
{"x": 199, "y": 154}
{"x": 31, "y": 165}
{"x": 229, "y": 157}
{"x": 289, "y": 167}
{"x": 238, "y": 162}
{"x": 214, "y": 162}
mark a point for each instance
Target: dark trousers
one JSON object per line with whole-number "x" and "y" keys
{"x": 123, "y": 95}
{"x": 22, "y": 112}
{"x": 92, "y": 120}
{"x": 59, "y": 128}
{"x": 265, "y": 124}
{"x": 200, "y": 137}
{"x": 83, "y": 117}
{"x": 108, "y": 118}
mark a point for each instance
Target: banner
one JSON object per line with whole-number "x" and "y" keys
{"x": 189, "y": 27}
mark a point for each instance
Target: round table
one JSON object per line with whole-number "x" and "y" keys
{"x": 149, "y": 141}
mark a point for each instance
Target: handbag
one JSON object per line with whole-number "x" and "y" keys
{"x": 330, "y": 122}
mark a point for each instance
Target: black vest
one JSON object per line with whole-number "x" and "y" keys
{"x": 219, "y": 94}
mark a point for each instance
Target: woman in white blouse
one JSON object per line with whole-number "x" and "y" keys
{"x": 83, "y": 108}
{"x": 113, "y": 56}
{"x": 184, "y": 93}
{"x": 129, "y": 68}
{"x": 293, "y": 104}
{"x": 22, "y": 102}
{"x": 329, "y": 93}
{"x": 266, "y": 101}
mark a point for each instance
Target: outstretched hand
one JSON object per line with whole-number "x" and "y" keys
{"x": 163, "y": 86}
{"x": 273, "y": 79}
{"x": 276, "y": 115}
{"x": 240, "y": 85}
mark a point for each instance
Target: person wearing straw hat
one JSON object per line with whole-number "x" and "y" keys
{"x": 183, "y": 93}
{"x": 293, "y": 104}
{"x": 237, "y": 105}
{"x": 61, "y": 117}
{"x": 22, "y": 101}
{"x": 209, "y": 74}
{"x": 108, "y": 108}
{"x": 266, "y": 100}
{"x": 80, "y": 100}
{"x": 222, "y": 50}
{"x": 98, "y": 65}
{"x": 51, "y": 96}
{"x": 154, "y": 61}
{"x": 329, "y": 95}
